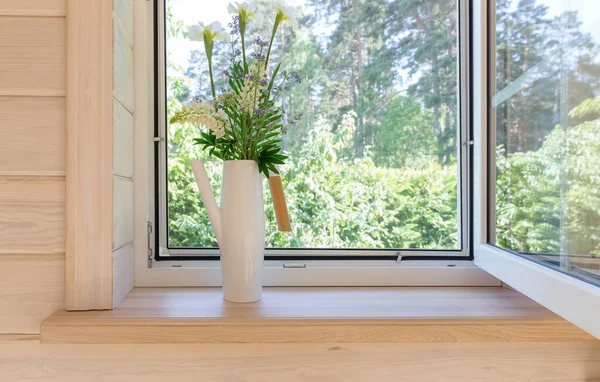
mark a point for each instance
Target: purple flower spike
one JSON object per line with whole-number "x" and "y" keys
{"x": 260, "y": 112}
{"x": 258, "y": 41}
{"x": 258, "y": 56}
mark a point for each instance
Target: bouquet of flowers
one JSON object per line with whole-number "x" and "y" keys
{"x": 244, "y": 122}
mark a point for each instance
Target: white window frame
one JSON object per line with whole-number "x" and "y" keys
{"x": 444, "y": 272}
{"x": 573, "y": 299}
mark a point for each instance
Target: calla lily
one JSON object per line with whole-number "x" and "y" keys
{"x": 212, "y": 32}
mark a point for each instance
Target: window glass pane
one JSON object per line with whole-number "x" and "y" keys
{"x": 374, "y": 160}
{"x": 547, "y": 114}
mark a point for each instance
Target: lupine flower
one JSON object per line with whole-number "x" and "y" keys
{"x": 234, "y": 24}
{"x": 212, "y": 32}
{"x": 258, "y": 56}
{"x": 203, "y": 114}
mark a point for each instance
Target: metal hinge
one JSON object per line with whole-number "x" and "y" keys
{"x": 149, "y": 247}
{"x": 469, "y": 143}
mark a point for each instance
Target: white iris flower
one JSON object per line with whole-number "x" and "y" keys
{"x": 212, "y": 32}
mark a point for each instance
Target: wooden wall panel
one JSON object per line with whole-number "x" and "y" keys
{"x": 123, "y": 273}
{"x": 123, "y": 70}
{"x": 31, "y": 288}
{"x": 33, "y": 55}
{"x": 33, "y": 136}
{"x": 123, "y": 216}
{"x": 89, "y": 265}
{"x": 124, "y": 12}
{"x": 33, "y": 7}
{"x": 123, "y": 123}
{"x": 32, "y": 214}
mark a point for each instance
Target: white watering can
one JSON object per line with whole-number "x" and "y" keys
{"x": 239, "y": 225}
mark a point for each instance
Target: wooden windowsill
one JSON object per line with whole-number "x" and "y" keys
{"x": 316, "y": 315}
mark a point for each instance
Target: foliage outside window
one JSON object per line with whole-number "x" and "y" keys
{"x": 374, "y": 162}
{"x": 547, "y": 116}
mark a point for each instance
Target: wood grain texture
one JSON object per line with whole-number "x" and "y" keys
{"x": 123, "y": 123}
{"x": 25, "y": 359}
{"x": 33, "y": 55}
{"x": 31, "y": 288}
{"x": 89, "y": 155}
{"x": 34, "y": 136}
{"x": 33, "y": 8}
{"x": 124, "y": 13}
{"x": 32, "y": 214}
{"x": 124, "y": 86}
{"x": 316, "y": 315}
{"x": 123, "y": 212}
{"x": 122, "y": 273}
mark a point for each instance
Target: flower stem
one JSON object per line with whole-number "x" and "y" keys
{"x": 212, "y": 81}
{"x": 275, "y": 26}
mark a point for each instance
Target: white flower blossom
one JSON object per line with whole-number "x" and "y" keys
{"x": 204, "y": 114}
{"x": 213, "y": 31}
{"x": 245, "y": 10}
{"x": 286, "y": 13}
{"x": 248, "y": 100}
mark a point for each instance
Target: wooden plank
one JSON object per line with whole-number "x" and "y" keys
{"x": 317, "y": 315}
{"x": 25, "y": 360}
{"x": 123, "y": 71}
{"x": 123, "y": 124}
{"x": 122, "y": 273}
{"x": 32, "y": 214}
{"x": 33, "y": 55}
{"x": 34, "y": 136}
{"x": 33, "y": 8}
{"x": 89, "y": 155}
{"x": 294, "y": 332}
{"x": 31, "y": 288}
{"x": 123, "y": 212}
{"x": 124, "y": 13}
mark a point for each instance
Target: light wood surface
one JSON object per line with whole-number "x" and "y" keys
{"x": 123, "y": 160}
{"x": 124, "y": 13}
{"x": 123, "y": 122}
{"x": 316, "y": 315}
{"x": 123, "y": 215}
{"x": 123, "y": 70}
{"x": 33, "y": 8}
{"x": 279, "y": 203}
{"x": 123, "y": 273}
{"x": 31, "y": 288}
{"x": 33, "y": 136}
{"x": 23, "y": 359}
{"x": 33, "y": 56}
{"x": 32, "y": 214}
{"x": 89, "y": 267}
{"x": 32, "y": 162}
